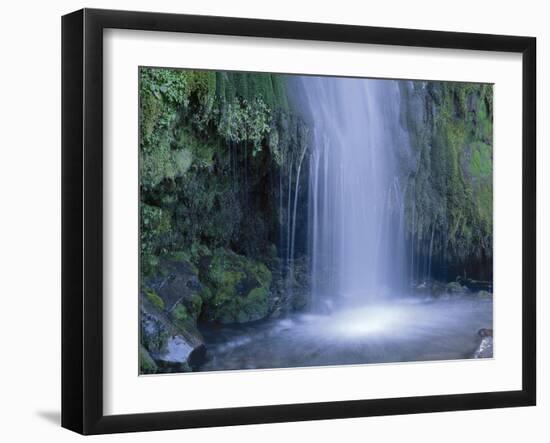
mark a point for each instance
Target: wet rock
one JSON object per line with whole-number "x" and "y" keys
{"x": 291, "y": 289}
{"x": 430, "y": 288}
{"x": 300, "y": 299}
{"x": 455, "y": 287}
{"x": 170, "y": 346}
{"x": 237, "y": 288}
{"x": 476, "y": 285}
{"x": 422, "y": 286}
{"x": 485, "y": 348}
{"x": 484, "y": 294}
{"x": 437, "y": 287}
{"x": 485, "y": 332}
{"x": 179, "y": 288}
{"x": 180, "y": 355}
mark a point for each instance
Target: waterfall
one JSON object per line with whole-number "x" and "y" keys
{"x": 356, "y": 191}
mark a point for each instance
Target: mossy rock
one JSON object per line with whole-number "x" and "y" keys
{"x": 455, "y": 288}
{"x": 174, "y": 346}
{"x": 180, "y": 313}
{"x": 176, "y": 290}
{"x": 186, "y": 313}
{"x": 237, "y": 288}
{"x": 153, "y": 333}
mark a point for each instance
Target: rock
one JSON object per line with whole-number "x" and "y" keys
{"x": 421, "y": 286}
{"x": 179, "y": 288}
{"x": 476, "y": 285}
{"x": 437, "y": 287}
{"x": 237, "y": 288}
{"x": 485, "y": 332}
{"x": 455, "y": 288}
{"x": 179, "y": 355}
{"x": 172, "y": 347}
{"x": 485, "y": 348}
{"x": 146, "y": 363}
{"x": 291, "y": 291}
{"x": 484, "y": 294}
{"x": 300, "y": 299}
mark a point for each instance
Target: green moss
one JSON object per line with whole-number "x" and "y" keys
{"x": 180, "y": 313}
{"x": 154, "y": 298}
{"x": 146, "y": 364}
{"x": 208, "y": 142}
{"x": 190, "y": 256}
{"x": 155, "y": 229}
{"x": 196, "y": 305}
{"x": 481, "y": 163}
{"x": 150, "y": 112}
{"x": 206, "y": 295}
{"x": 182, "y": 162}
{"x": 237, "y": 288}
{"x": 202, "y": 84}
{"x": 246, "y": 122}
{"x": 450, "y": 191}
{"x": 263, "y": 274}
{"x": 270, "y": 88}
{"x": 202, "y": 151}
{"x": 257, "y": 302}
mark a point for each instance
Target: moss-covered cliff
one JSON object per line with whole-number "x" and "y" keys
{"x": 218, "y": 170}
{"x": 449, "y": 201}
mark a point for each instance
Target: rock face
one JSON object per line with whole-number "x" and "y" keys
{"x": 170, "y": 346}
{"x": 236, "y": 289}
{"x": 449, "y": 183}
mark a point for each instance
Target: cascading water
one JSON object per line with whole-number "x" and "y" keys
{"x": 356, "y": 194}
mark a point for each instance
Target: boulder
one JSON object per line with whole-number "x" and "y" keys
{"x": 173, "y": 348}
{"x": 179, "y": 289}
{"x": 237, "y": 289}
{"x": 476, "y": 285}
{"x": 455, "y": 288}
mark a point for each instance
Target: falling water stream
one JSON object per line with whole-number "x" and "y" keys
{"x": 363, "y": 309}
{"x": 358, "y": 235}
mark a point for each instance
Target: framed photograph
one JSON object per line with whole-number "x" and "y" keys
{"x": 269, "y": 221}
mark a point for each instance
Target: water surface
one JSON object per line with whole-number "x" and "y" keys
{"x": 401, "y": 329}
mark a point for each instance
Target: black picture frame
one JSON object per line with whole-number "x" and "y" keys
{"x": 82, "y": 218}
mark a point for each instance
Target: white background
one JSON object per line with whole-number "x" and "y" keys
{"x": 30, "y": 234}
